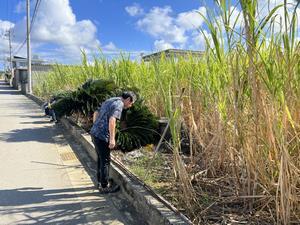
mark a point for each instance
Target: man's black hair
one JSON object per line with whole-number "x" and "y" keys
{"x": 129, "y": 94}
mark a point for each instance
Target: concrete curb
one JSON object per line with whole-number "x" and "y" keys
{"x": 35, "y": 99}
{"x": 150, "y": 208}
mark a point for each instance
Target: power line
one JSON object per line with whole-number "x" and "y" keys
{"x": 31, "y": 24}
{"x": 7, "y": 35}
{"x": 16, "y": 51}
{"x": 36, "y": 7}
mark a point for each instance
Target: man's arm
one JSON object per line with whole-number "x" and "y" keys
{"x": 95, "y": 115}
{"x": 112, "y": 132}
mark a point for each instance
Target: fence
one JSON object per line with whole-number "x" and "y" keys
{"x": 39, "y": 70}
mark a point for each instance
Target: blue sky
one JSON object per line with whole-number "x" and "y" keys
{"x": 63, "y": 27}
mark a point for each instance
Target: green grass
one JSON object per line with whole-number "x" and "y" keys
{"x": 139, "y": 167}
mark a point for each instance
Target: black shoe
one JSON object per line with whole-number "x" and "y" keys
{"x": 109, "y": 189}
{"x": 109, "y": 184}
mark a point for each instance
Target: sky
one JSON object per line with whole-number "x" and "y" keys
{"x": 62, "y": 28}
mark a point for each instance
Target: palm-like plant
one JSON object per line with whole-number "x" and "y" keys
{"x": 138, "y": 126}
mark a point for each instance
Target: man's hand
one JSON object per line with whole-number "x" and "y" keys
{"x": 95, "y": 115}
{"x": 112, "y": 132}
{"x": 112, "y": 144}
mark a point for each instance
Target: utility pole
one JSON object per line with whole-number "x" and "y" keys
{"x": 8, "y": 35}
{"x": 28, "y": 48}
{"x": 10, "y": 56}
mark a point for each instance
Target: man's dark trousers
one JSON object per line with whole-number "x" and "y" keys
{"x": 103, "y": 161}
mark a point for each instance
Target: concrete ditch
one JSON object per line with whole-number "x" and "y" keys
{"x": 150, "y": 206}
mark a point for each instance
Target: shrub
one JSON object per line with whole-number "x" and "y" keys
{"x": 138, "y": 126}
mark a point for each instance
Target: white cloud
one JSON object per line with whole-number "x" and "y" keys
{"x": 61, "y": 27}
{"x": 5, "y": 25}
{"x": 4, "y": 46}
{"x": 266, "y": 6}
{"x": 160, "y": 45}
{"x": 191, "y": 20}
{"x": 264, "y": 9}
{"x": 236, "y": 18}
{"x": 56, "y": 24}
{"x": 134, "y": 10}
{"x": 173, "y": 30}
{"x": 199, "y": 40}
{"x": 110, "y": 47}
{"x": 159, "y": 24}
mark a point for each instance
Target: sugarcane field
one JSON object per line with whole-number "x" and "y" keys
{"x": 150, "y": 112}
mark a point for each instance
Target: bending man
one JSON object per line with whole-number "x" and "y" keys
{"x": 103, "y": 135}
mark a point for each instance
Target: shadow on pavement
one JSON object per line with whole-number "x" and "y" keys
{"x": 62, "y": 166}
{"x": 37, "y": 122}
{"x": 6, "y": 89}
{"x": 118, "y": 199}
{"x": 30, "y": 134}
{"x": 13, "y": 92}
{"x": 31, "y": 116}
{"x": 54, "y": 206}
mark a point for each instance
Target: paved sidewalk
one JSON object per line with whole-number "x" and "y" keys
{"x": 41, "y": 180}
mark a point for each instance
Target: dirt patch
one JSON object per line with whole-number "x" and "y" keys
{"x": 214, "y": 202}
